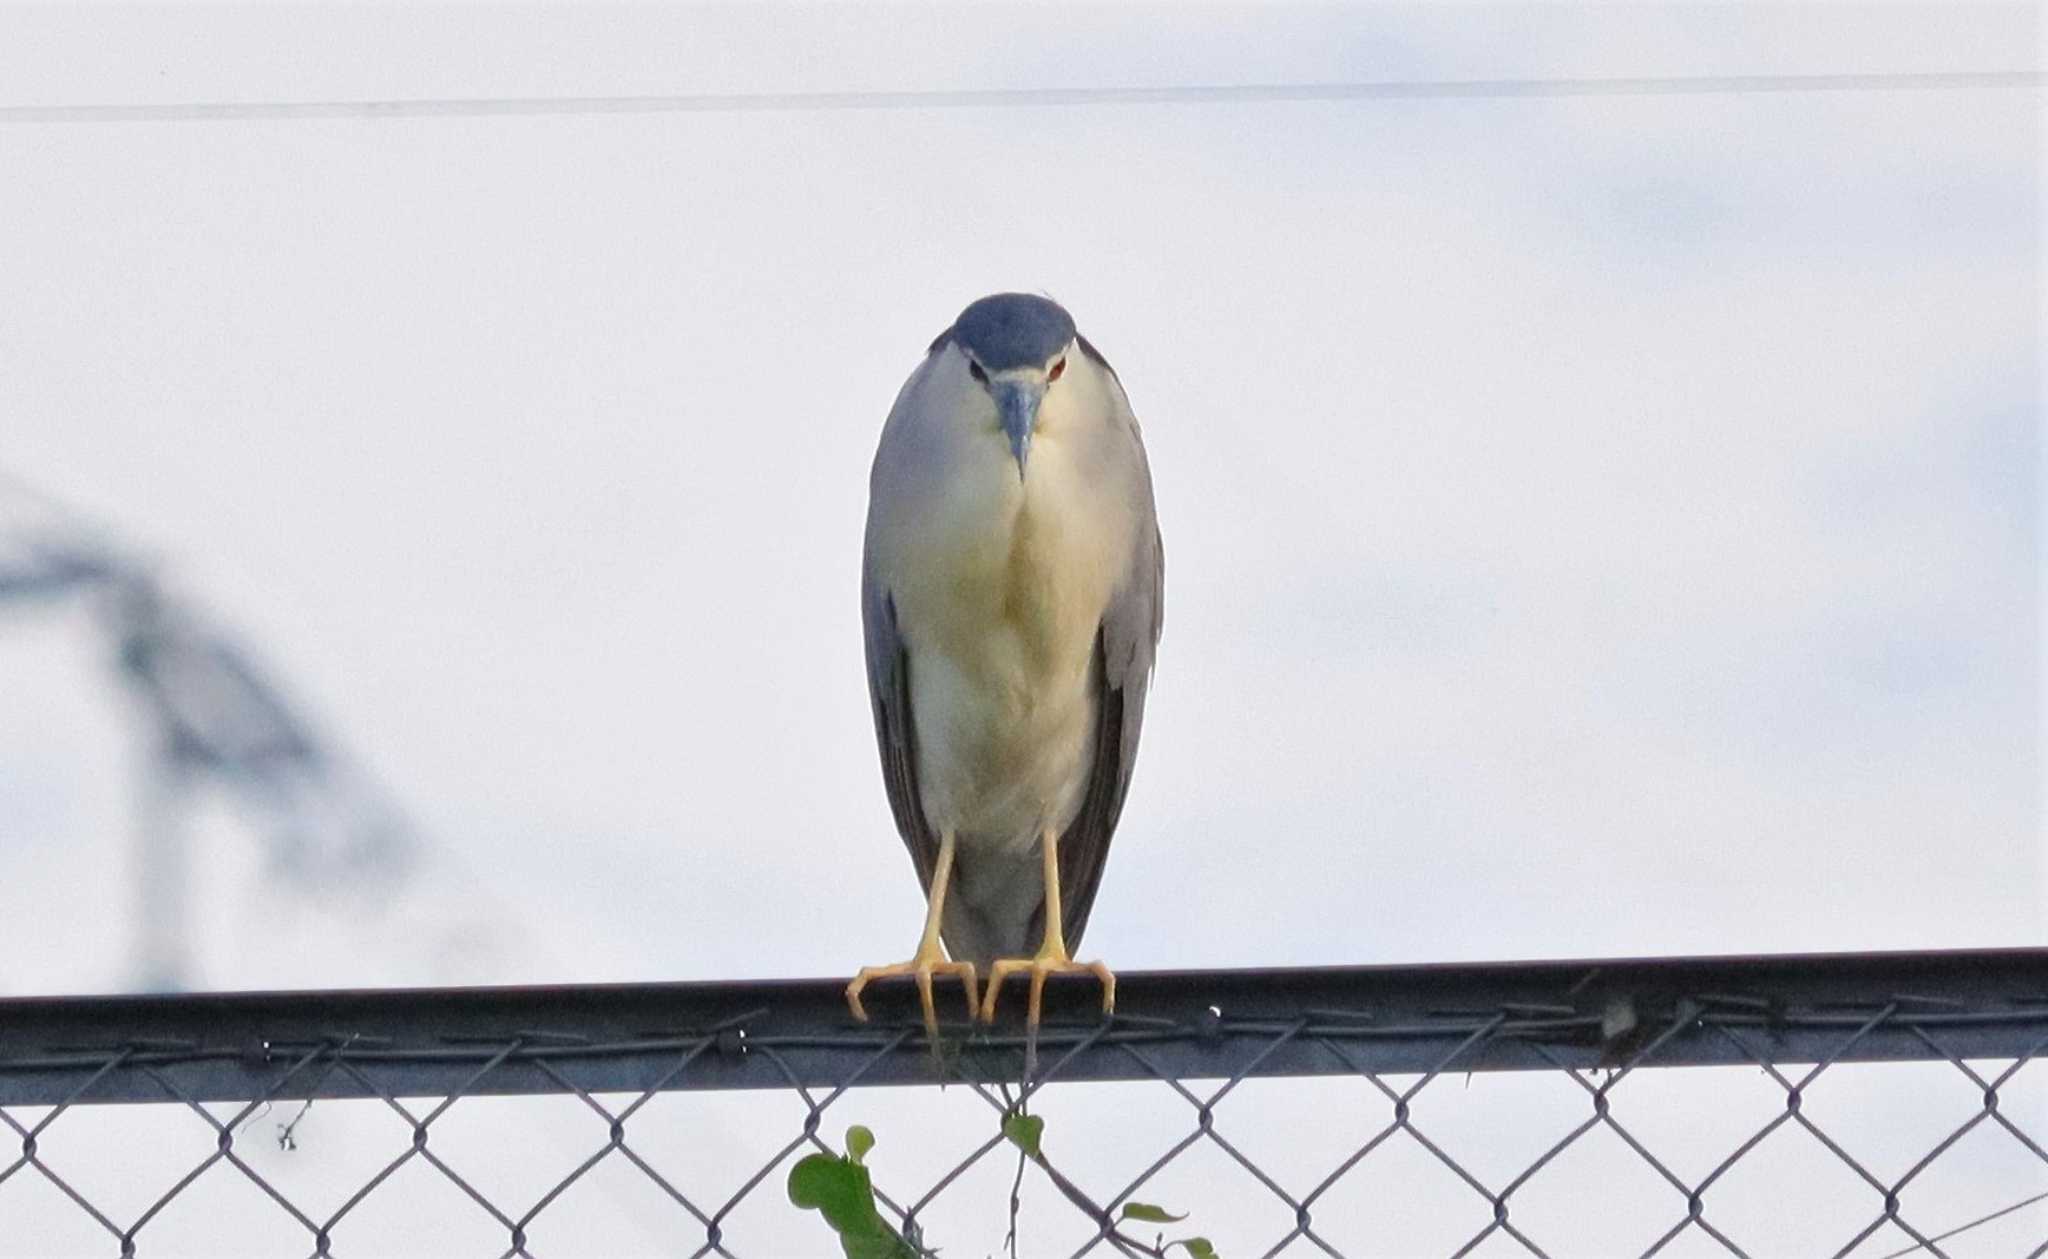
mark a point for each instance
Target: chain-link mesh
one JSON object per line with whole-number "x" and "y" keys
{"x": 1768, "y": 1107}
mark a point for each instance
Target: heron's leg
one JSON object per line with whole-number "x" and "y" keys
{"x": 1052, "y": 957}
{"x": 929, "y": 959}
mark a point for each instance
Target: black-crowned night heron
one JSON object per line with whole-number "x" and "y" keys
{"x": 1011, "y": 593}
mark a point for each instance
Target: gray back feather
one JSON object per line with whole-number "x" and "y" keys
{"x": 895, "y": 734}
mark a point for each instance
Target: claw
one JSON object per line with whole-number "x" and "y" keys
{"x": 1040, "y": 968}
{"x": 921, "y": 969}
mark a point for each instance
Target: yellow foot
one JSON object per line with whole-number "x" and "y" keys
{"x": 1045, "y": 964}
{"x": 921, "y": 968}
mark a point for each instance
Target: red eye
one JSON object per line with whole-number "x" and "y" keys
{"x": 1058, "y": 369}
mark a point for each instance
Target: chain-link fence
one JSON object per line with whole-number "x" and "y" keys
{"x": 1873, "y": 1105}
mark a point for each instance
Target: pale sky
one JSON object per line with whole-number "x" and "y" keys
{"x": 1593, "y": 526}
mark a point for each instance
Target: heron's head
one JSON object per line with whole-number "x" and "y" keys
{"x": 1015, "y": 349}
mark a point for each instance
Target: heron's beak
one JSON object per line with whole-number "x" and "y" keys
{"x": 1017, "y": 405}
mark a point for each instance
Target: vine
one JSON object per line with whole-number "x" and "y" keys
{"x": 839, "y": 1187}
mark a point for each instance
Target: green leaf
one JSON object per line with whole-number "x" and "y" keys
{"x": 858, "y": 1142}
{"x": 814, "y": 1179}
{"x": 1198, "y": 1247}
{"x": 1025, "y": 1132}
{"x": 883, "y": 1245}
{"x": 840, "y": 1189}
{"x": 1150, "y": 1214}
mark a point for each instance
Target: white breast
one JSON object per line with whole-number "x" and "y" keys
{"x": 1000, "y": 588}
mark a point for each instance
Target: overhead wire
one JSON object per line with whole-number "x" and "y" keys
{"x": 1023, "y": 98}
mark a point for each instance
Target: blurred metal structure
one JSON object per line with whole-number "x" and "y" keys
{"x": 213, "y": 720}
{"x": 1981, "y": 1018}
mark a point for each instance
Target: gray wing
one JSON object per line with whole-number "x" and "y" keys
{"x": 889, "y": 693}
{"x": 1123, "y": 671}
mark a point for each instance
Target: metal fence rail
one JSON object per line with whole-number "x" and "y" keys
{"x": 1394, "y": 1036}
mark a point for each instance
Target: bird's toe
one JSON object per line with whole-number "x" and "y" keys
{"x": 1040, "y": 969}
{"x": 921, "y": 970}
